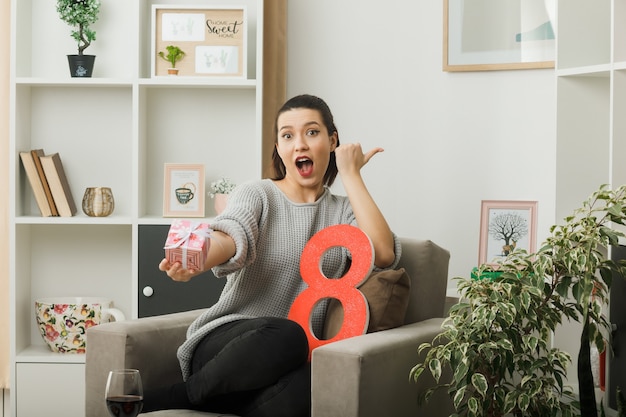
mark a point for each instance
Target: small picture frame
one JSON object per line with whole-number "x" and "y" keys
{"x": 214, "y": 40}
{"x": 506, "y": 226}
{"x": 183, "y": 191}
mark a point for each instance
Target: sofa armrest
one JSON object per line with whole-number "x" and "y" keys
{"x": 368, "y": 375}
{"x": 148, "y": 344}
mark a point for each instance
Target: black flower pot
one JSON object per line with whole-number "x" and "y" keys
{"x": 81, "y": 66}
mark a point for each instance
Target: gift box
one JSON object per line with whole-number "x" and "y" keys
{"x": 188, "y": 243}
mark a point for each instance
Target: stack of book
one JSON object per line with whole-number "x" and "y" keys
{"x": 47, "y": 179}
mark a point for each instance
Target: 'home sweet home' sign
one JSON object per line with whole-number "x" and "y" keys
{"x": 213, "y": 40}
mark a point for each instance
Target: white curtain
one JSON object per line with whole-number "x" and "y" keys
{"x": 4, "y": 191}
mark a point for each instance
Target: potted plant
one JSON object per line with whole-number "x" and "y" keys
{"x": 495, "y": 344}
{"x": 219, "y": 191}
{"x": 174, "y": 54}
{"x": 80, "y": 15}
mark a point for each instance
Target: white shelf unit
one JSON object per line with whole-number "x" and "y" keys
{"x": 116, "y": 129}
{"x": 591, "y": 102}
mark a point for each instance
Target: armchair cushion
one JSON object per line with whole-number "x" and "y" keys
{"x": 387, "y": 294}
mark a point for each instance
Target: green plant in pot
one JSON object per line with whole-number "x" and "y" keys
{"x": 495, "y": 345}
{"x": 174, "y": 54}
{"x": 80, "y": 15}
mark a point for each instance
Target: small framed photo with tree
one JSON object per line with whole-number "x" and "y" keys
{"x": 506, "y": 226}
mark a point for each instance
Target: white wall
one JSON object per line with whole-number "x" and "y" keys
{"x": 450, "y": 139}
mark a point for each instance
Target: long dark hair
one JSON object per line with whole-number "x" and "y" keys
{"x": 306, "y": 101}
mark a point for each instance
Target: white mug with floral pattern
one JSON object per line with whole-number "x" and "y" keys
{"x": 63, "y": 321}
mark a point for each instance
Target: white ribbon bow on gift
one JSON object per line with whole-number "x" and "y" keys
{"x": 184, "y": 234}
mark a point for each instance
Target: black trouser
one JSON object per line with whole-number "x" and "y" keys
{"x": 253, "y": 368}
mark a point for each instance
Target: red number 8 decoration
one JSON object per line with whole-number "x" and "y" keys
{"x": 356, "y": 311}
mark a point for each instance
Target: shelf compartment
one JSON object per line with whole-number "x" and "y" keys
{"x": 68, "y": 261}
{"x": 45, "y": 40}
{"x": 92, "y": 132}
{"x": 583, "y": 139}
{"x": 201, "y": 132}
{"x": 584, "y": 33}
{"x": 252, "y": 10}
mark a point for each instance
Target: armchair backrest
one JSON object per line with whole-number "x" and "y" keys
{"x": 426, "y": 264}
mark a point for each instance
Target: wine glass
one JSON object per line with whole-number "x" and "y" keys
{"x": 124, "y": 393}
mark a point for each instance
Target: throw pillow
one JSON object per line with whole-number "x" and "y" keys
{"x": 387, "y": 294}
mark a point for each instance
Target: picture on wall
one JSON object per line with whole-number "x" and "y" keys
{"x": 183, "y": 191}
{"x": 213, "y": 40}
{"x": 506, "y": 226}
{"x": 482, "y": 35}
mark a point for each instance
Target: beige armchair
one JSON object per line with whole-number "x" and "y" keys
{"x": 364, "y": 376}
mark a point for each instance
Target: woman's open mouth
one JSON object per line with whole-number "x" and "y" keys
{"x": 304, "y": 166}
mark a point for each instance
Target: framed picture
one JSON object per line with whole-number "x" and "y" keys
{"x": 482, "y": 35}
{"x": 506, "y": 226}
{"x": 214, "y": 40}
{"x": 183, "y": 192}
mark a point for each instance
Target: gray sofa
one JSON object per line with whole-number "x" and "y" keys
{"x": 364, "y": 376}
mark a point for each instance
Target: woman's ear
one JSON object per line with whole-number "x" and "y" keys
{"x": 277, "y": 151}
{"x": 334, "y": 139}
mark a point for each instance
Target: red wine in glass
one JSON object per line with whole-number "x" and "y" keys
{"x": 125, "y": 405}
{"x": 124, "y": 393}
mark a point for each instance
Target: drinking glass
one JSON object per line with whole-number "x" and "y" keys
{"x": 124, "y": 393}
